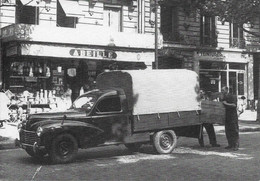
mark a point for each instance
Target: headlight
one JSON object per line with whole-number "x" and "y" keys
{"x": 39, "y": 131}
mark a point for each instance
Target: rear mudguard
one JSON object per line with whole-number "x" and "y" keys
{"x": 83, "y": 132}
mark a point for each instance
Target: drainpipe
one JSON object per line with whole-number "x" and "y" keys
{"x": 156, "y": 34}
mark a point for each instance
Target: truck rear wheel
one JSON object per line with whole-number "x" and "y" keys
{"x": 164, "y": 141}
{"x": 63, "y": 148}
{"x": 133, "y": 146}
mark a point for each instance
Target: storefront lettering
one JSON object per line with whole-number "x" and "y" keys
{"x": 211, "y": 54}
{"x": 105, "y": 54}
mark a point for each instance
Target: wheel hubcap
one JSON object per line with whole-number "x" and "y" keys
{"x": 166, "y": 141}
{"x": 64, "y": 148}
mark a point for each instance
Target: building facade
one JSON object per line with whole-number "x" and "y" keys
{"x": 222, "y": 54}
{"x": 52, "y": 44}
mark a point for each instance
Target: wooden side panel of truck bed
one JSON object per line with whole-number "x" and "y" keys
{"x": 149, "y": 122}
{"x": 212, "y": 112}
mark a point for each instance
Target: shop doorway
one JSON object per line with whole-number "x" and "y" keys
{"x": 236, "y": 83}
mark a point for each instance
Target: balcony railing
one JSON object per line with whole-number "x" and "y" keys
{"x": 237, "y": 43}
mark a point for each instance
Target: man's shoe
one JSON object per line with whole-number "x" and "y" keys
{"x": 235, "y": 148}
{"x": 228, "y": 147}
{"x": 215, "y": 145}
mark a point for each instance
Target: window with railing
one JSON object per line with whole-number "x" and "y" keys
{"x": 236, "y": 36}
{"x": 170, "y": 23}
{"x": 208, "y": 30}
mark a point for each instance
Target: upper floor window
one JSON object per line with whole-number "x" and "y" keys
{"x": 236, "y": 36}
{"x": 112, "y": 17}
{"x": 26, "y": 14}
{"x": 169, "y": 23}
{"x": 68, "y": 12}
{"x": 207, "y": 30}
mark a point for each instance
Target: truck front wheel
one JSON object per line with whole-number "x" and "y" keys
{"x": 63, "y": 149}
{"x": 164, "y": 141}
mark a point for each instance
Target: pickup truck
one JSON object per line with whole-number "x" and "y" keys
{"x": 128, "y": 107}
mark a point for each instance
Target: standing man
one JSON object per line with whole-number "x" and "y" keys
{"x": 231, "y": 122}
{"x": 208, "y": 126}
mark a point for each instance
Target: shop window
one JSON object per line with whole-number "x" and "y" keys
{"x": 63, "y": 20}
{"x": 207, "y": 30}
{"x": 169, "y": 23}
{"x": 26, "y": 14}
{"x": 236, "y": 36}
{"x": 112, "y": 17}
{"x": 209, "y": 81}
{"x": 111, "y": 104}
{"x": 237, "y": 66}
{"x": 223, "y": 79}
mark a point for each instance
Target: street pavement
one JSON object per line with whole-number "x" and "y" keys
{"x": 247, "y": 123}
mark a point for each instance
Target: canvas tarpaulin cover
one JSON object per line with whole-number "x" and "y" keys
{"x": 155, "y": 91}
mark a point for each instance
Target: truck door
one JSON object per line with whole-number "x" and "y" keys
{"x": 110, "y": 117}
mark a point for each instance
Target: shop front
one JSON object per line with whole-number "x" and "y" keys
{"x": 222, "y": 68}
{"x": 38, "y": 71}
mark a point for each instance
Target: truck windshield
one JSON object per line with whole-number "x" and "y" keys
{"x": 85, "y": 101}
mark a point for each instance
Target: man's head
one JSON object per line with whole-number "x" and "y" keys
{"x": 224, "y": 90}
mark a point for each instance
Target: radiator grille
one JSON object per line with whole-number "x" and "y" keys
{"x": 28, "y": 137}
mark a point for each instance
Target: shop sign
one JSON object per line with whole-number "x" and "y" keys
{"x": 87, "y": 53}
{"x": 91, "y": 53}
{"x": 210, "y": 55}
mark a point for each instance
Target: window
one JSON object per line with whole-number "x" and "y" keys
{"x": 26, "y": 14}
{"x": 236, "y": 36}
{"x": 63, "y": 20}
{"x": 111, "y": 104}
{"x": 169, "y": 23}
{"x": 112, "y": 18}
{"x": 207, "y": 30}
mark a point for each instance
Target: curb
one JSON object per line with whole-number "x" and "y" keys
{"x": 9, "y": 144}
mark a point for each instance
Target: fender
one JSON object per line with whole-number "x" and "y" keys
{"x": 51, "y": 128}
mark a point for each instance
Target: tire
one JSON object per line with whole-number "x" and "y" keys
{"x": 63, "y": 149}
{"x": 39, "y": 154}
{"x": 164, "y": 141}
{"x": 133, "y": 147}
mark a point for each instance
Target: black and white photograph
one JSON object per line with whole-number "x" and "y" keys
{"x": 129, "y": 90}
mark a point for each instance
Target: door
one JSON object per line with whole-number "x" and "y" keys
{"x": 236, "y": 83}
{"x": 109, "y": 116}
{"x": 233, "y": 83}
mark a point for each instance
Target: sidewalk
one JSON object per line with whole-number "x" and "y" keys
{"x": 247, "y": 123}
{"x": 8, "y": 134}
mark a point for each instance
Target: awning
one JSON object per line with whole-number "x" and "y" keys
{"x": 71, "y": 8}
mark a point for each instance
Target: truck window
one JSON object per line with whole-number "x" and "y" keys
{"x": 111, "y": 104}
{"x": 84, "y": 102}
